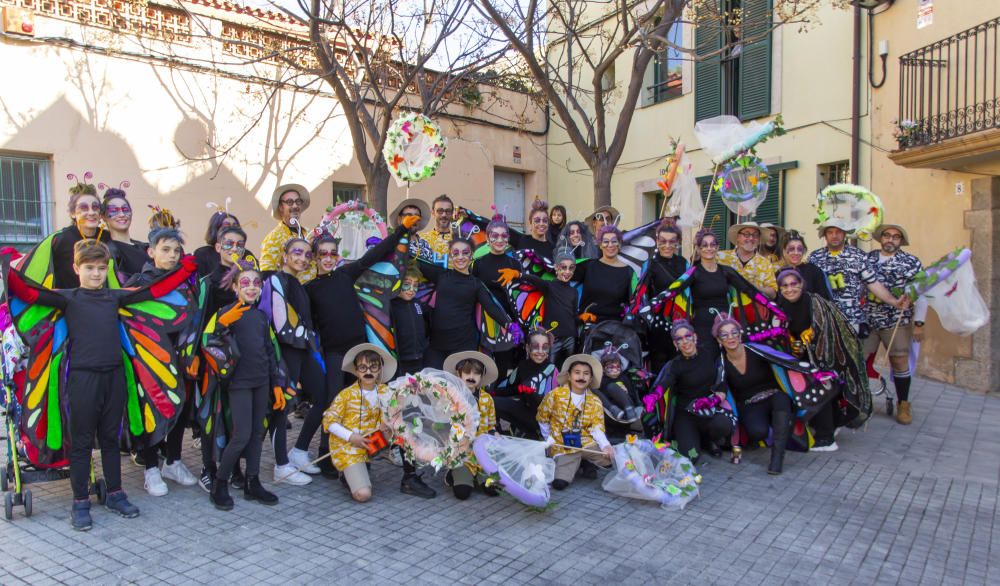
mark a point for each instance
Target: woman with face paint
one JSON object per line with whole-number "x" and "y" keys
{"x": 490, "y": 269}
{"x": 117, "y": 214}
{"x": 453, "y": 325}
{"x": 793, "y": 255}
{"x": 607, "y": 282}
{"x": 207, "y": 257}
{"x": 689, "y": 395}
{"x": 666, "y": 266}
{"x": 340, "y": 325}
{"x": 85, "y": 217}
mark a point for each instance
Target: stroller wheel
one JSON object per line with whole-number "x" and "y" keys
{"x": 890, "y": 406}
{"x": 8, "y": 506}
{"x": 4, "y": 483}
{"x": 27, "y": 503}
{"x": 101, "y": 490}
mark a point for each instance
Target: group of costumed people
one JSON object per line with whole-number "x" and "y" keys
{"x": 563, "y": 336}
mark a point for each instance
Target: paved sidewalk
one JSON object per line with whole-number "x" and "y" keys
{"x": 896, "y": 505}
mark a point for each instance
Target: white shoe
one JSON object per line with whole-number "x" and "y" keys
{"x": 154, "y": 484}
{"x": 831, "y": 447}
{"x": 301, "y": 460}
{"x": 179, "y": 473}
{"x": 288, "y": 474}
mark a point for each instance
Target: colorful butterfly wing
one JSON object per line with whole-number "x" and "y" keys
{"x": 761, "y": 318}
{"x": 375, "y": 290}
{"x": 43, "y": 421}
{"x": 671, "y": 304}
{"x": 638, "y": 245}
{"x": 533, "y": 264}
{"x": 528, "y": 303}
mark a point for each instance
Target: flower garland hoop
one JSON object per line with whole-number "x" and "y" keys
{"x": 435, "y": 416}
{"x": 742, "y": 179}
{"x": 414, "y": 147}
{"x": 352, "y": 223}
{"x": 864, "y": 213}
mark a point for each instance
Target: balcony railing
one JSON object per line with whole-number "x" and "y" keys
{"x": 949, "y": 88}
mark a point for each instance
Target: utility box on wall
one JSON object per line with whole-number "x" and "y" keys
{"x": 18, "y": 21}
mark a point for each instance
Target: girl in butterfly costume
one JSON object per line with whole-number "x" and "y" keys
{"x": 74, "y": 370}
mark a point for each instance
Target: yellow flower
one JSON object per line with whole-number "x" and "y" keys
{"x": 631, "y": 438}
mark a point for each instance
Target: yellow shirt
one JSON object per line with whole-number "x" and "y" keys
{"x": 273, "y": 247}
{"x": 351, "y": 410}
{"x": 438, "y": 242}
{"x": 558, "y": 412}
{"x": 487, "y": 413}
{"x": 759, "y": 270}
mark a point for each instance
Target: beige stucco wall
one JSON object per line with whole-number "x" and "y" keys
{"x": 922, "y": 200}
{"x": 128, "y": 117}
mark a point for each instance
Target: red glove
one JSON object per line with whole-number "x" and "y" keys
{"x": 189, "y": 264}
{"x": 525, "y": 390}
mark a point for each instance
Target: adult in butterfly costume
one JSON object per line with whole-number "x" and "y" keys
{"x": 73, "y": 370}
{"x": 666, "y": 266}
{"x": 821, "y": 333}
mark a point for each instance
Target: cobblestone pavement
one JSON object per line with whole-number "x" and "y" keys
{"x": 896, "y": 505}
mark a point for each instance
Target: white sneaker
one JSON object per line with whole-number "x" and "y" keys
{"x": 831, "y": 447}
{"x": 301, "y": 460}
{"x": 290, "y": 475}
{"x": 179, "y": 473}
{"x": 154, "y": 484}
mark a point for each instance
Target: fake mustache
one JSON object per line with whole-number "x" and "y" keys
{"x": 471, "y": 381}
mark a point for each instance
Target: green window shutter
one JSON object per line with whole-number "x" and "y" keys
{"x": 755, "y": 61}
{"x": 707, "y": 72}
{"x": 717, "y": 215}
{"x": 772, "y": 208}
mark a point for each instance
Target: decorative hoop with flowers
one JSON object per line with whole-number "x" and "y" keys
{"x": 857, "y": 209}
{"x": 414, "y": 148}
{"x": 434, "y": 416}
{"x": 653, "y": 471}
{"x": 742, "y": 183}
{"x": 353, "y": 223}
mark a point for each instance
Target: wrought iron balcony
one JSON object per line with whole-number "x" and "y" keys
{"x": 949, "y": 88}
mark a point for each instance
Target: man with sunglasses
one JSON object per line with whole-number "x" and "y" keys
{"x": 746, "y": 259}
{"x": 894, "y": 269}
{"x": 287, "y": 204}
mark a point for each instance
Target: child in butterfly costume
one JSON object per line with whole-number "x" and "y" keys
{"x": 245, "y": 382}
{"x": 73, "y": 369}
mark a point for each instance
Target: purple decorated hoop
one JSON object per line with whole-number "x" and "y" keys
{"x": 532, "y": 498}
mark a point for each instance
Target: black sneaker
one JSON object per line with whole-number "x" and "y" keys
{"x": 254, "y": 491}
{"x": 80, "y": 516}
{"x": 588, "y": 470}
{"x": 220, "y": 496}
{"x": 205, "y": 480}
{"x": 414, "y": 485}
{"x": 559, "y": 484}
{"x": 118, "y": 502}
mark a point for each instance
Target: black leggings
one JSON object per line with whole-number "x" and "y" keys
{"x": 175, "y": 438}
{"x": 562, "y": 349}
{"x": 321, "y": 393}
{"x": 758, "y": 418}
{"x": 615, "y": 396}
{"x": 247, "y": 409}
{"x": 689, "y": 429}
{"x": 96, "y": 405}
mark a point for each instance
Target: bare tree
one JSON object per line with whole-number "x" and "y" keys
{"x": 570, "y": 48}
{"x": 383, "y": 56}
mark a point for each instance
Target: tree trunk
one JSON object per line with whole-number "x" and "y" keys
{"x": 602, "y": 172}
{"x": 378, "y": 186}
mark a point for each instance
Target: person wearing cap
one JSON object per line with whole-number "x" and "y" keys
{"x": 770, "y": 240}
{"x": 749, "y": 263}
{"x": 355, "y": 416}
{"x": 895, "y": 269}
{"x": 571, "y": 416}
{"x": 287, "y": 204}
{"x": 478, "y": 372}
{"x": 849, "y": 272}
{"x": 438, "y": 236}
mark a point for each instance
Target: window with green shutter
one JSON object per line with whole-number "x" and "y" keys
{"x": 707, "y": 72}
{"x": 771, "y": 210}
{"x": 755, "y": 61}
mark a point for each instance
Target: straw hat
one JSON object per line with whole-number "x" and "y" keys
{"x": 777, "y": 229}
{"x": 877, "y": 235}
{"x": 388, "y": 362}
{"x": 834, "y": 223}
{"x": 413, "y": 202}
{"x": 734, "y": 230}
{"x": 595, "y": 368}
{"x": 281, "y": 189}
{"x": 610, "y": 212}
{"x": 490, "y": 371}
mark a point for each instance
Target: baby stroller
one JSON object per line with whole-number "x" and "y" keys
{"x": 18, "y": 469}
{"x": 614, "y": 336}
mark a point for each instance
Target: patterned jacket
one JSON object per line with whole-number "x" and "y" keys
{"x": 849, "y": 273}
{"x": 894, "y": 271}
{"x": 759, "y": 270}
{"x": 559, "y": 413}
{"x": 351, "y": 410}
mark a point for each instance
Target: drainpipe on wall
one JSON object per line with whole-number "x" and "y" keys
{"x": 856, "y": 97}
